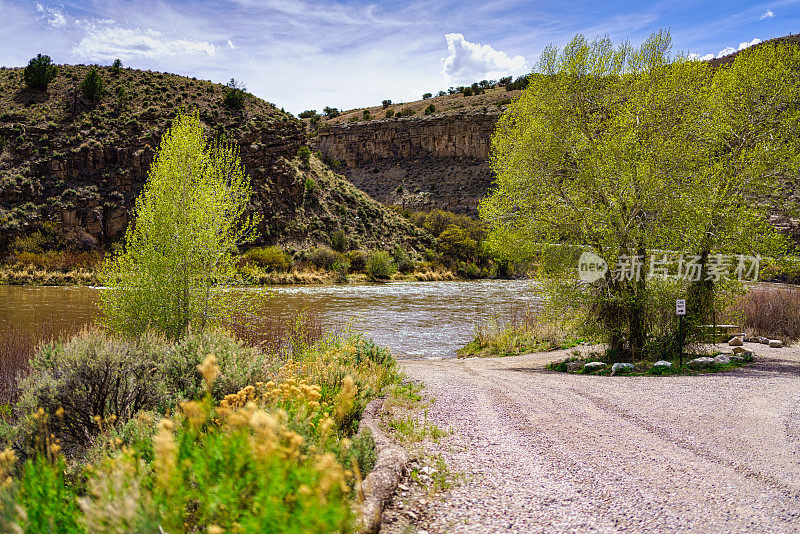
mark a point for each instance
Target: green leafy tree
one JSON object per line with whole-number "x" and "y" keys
{"x": 304, "y": 153}
{"x": 116, "y": 67}
{"x": 235, "y": 96}
{"x": 622, "y": 152}
{"x": 92, "y": 85}
{"x": 386, "y": 103}
{"x": 39, "y": 72}
{"x": 189, "y": 219}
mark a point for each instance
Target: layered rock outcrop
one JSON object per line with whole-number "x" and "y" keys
{"x": 437, "y": 161}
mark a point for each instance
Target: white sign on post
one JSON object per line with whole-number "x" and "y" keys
{"x": 680, "y": 307}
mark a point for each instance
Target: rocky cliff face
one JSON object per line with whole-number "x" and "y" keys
{"x": 437, "y": 161}
{"x": 80, "y": 165}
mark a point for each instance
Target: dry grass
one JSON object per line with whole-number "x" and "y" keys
{"x": 771, "y": 311}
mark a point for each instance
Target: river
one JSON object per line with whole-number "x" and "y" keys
{"x": 413, "y": 319}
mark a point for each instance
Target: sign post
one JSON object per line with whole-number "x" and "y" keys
{"x": 680, "y": 311}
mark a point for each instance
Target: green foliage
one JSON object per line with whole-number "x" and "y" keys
{"x": 389, "y": 114}
{"x": 339, "y": 241}
{"x": 622, "y": 151}
{"x": 308, "y": 114}
{"x": 90, "y": 375}
{"x": 310, "y": 185}
{"x": 403, "y": 261}
{"x": 426, "y": 96}
{"x": 431, "y": 109}
{"x": 324, "y": 257}
{"x": 235, "y": 96}
{"x": 304, "y": 153}
{"x": 51, "y": 504}
{"x": 116, "y": 67}
{"x": 386, "y": 103}
{"x": 454, "y": 241}
{"x": 358, "y": 260}
{"x": 341, "y": 268}
{"x": 188, "y": 220}
{"x": 39, "y": 72}
{"x": 379, "y": 266}
{"x": 330, "y": 113}
{"x": 92, "y": 85}
{"x": 270, "y": 258}
{"x": 405, "y": 112}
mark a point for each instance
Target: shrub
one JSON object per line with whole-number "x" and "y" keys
{"x": 403, "y": 261}
{"x": 430, "y": 109}
{"x": 304, "y": 153}
{"x": 330, "y": 113}
{"x": 39, "y": 72}
{"x": 310, "y": 185}
{"x": 235, "y": 95}
{"x": 358, "y": 261}
{"x": 386, "y": 103}
{"x": 270, "y": 258}
{"x": 379, "y": 266}
{"x": 116, "y": 67}
{"x": 91, "y": 380}
{"x": 405, "y": 112}
{"x": 366, "y": 115}
{"x": 341, "y": 268}
{"x": 456, "y": 242}
{"x": 389, "y": 113}
{"x": 92, "y": 85}
{"x": 324, "y": 257}
{"x": 426, "y": 96}
{"x": 239, "y": 366}
{"x": 339, "y": 241}
{"x": 307, "y": 114}
{"x": 772, "y": 312}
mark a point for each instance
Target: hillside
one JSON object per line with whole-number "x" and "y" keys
{"x": 79, "y": 165}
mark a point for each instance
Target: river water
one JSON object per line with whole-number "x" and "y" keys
{"x": 413, "y": 319}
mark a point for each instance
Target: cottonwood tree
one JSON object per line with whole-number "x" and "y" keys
{"x": 189, "y": 218}
{"x": 624, "y": 151}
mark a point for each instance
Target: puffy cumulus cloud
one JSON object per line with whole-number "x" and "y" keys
{"x": 768, "y": 14}
{"x": 54, "y": 18}
{"x": 110, "y": 42}
{"x": 725, "y": 51}
{"x": 469, "y": 62}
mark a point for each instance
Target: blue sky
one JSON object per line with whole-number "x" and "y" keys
{"x": 347, "y": 54}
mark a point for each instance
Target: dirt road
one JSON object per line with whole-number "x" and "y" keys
{"x": 549, "y": 452}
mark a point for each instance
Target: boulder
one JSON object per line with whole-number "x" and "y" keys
{"x": 739, "y": 350}
{"x": 703, "y": 361}
{"x": 662, "y": 363}
{"x": 574, "y": 366}
{"x": 593, "y": 366}
{"x": 775, "y": 344}
{"x": 736, "y": 342}
{"x": 763, "y": 340}
{"x": 722, "y": 359}
{"x": 621, "y": 367}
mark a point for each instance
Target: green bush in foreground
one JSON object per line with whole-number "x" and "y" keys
{"x": 273, "y": 456}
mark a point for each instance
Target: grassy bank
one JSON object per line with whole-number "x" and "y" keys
{"x": 206, "y": 434}
{"x": 520, "y": 332}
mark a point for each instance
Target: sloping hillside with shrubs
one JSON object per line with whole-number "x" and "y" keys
{"x": 76, "y": 143}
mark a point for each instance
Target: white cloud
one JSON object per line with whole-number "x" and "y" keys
{"x": 744, "y": 45}
{"x": 231, "y": 45}
{"x": 469, "y": 62}
{"x": 768, "y": 14}
{"x": 105, "y": 43}
{"x": 725, "y": 51}
{"x": 52, "y": 17}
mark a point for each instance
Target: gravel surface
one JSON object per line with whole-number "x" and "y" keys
{"x": 542, "y": 451}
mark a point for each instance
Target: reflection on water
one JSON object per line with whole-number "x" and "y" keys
{"x": 414, "y": 319}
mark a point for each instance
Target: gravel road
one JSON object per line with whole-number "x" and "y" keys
{"x": 549, "y": 452}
